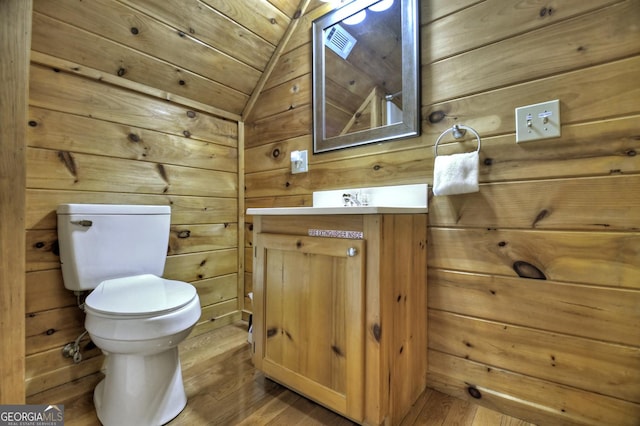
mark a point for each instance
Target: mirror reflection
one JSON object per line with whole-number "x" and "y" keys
{"x": 365, "y": 74}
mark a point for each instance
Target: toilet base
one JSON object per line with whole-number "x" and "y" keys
{"x": 140, "y": 389}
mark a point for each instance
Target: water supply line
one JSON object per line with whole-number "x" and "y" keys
{"x": 72, "y": 350}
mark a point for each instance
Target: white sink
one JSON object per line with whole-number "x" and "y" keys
{"x": 379, "y": 200}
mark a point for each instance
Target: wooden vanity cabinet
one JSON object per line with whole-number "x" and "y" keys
{"x": 340, "y": 316}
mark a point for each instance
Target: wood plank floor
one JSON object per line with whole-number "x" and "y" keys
{"x": 223, "y": 388}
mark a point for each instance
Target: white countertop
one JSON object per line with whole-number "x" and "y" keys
{"x": 405, "y": 199}
{"x": 288, "y": 211}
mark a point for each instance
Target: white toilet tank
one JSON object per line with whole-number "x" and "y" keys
{"x": 104, "y": 241}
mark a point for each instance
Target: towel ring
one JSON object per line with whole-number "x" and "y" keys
{"x": 458, "y": 131}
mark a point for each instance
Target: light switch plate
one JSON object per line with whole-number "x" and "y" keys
{"x": 299, "y": 162}
{"x": 538, "y": 121}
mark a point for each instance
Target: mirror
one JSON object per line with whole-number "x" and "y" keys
{"x": 365, "y": 74}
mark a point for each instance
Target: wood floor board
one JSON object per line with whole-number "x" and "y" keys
{"x": 460, "y": 412}
{"x": 223, "y": 388}
{"x": 435, "y": 411}
{"x": 486, "y": 417}
{"x": 417, "y": 408}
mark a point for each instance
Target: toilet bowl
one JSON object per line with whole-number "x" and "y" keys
{"x": 138, "y": 322}
{"x": 134, "y": 316}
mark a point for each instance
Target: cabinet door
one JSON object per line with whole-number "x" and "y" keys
{"x": 309, "y": 294}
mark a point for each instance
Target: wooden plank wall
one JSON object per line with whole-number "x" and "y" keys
{"x": 533, "y": 287}
{"x": 15, "y": 33}
{"x": 123, "y": 110}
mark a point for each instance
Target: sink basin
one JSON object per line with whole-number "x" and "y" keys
{"x": 380, "y": 200}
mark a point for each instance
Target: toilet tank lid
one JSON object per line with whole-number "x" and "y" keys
{"x": 112, "y": 209}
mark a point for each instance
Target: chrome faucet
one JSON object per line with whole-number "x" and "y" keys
{"x": 350, "y": 200}
{"x": 357, "y": 199}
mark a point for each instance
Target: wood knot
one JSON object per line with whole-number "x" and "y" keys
{"x": 436, "y": 116}
{"x": 287, "y": 184}
{"x": 527, "y": 270}
{"x": 191, "y": 114}
{"x": 134, "y": 138}
{"x": 134, "y": 31}
{"x": 275, "y": 153}
{"x": 121, "y": 72}
{"x": 502, "y": 243}
{"x": 631, "y": 153}
{"x": 271, "y": 332}
{"x": 546, "y": 11}
{"x": 163, "y": 173}
{"x": 187, "y": 134}
{"x": 543, "y": 213}
{"x": 273, "y": 21}
{"x": 182, "y": 82}
{"x": 475, "y": 393}
{"x": 488, "y": 161}
{"x": 299, "y": 244}
{"x": 69, "y": 162}
{"x": 192, "y": 31}
{"x": 377, "y": 167}
{"x": 377, "y": 332}
{"x": 336, "y": 350}
{"x": 181, "y": 33}
{"x": 184, "y": 234}
{"x": 33, "y": 123}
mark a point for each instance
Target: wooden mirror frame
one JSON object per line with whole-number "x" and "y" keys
{"x": 410, "y": 124}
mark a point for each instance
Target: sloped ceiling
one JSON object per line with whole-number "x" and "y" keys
{"x": 239, "y": 37}
{"x": 217, "y": 52}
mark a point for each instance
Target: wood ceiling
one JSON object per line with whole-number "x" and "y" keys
{"x": 216, "y": 52}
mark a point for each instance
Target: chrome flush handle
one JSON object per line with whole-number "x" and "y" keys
{"x": 84, "y": 222}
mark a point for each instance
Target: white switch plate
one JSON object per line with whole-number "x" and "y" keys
{"x": 538, "y": 121}
{"x": 301, "y": 165}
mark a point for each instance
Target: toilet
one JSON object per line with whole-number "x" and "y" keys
{"x": 133, "y": 315}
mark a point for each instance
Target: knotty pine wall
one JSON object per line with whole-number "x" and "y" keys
{"x": 124, "y": 108}
{"x": 15, "y": 40}
{"x": 533, "y": 283}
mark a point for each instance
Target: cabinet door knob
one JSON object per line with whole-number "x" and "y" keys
{"x": 352, "y": 251}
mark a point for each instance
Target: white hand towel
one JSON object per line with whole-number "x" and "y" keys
{"x": 456, "y": 174}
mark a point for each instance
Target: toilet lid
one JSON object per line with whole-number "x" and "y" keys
{"x": 140, "y": 295}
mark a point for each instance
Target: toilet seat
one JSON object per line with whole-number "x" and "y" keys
{"x": 139, "y": 296}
